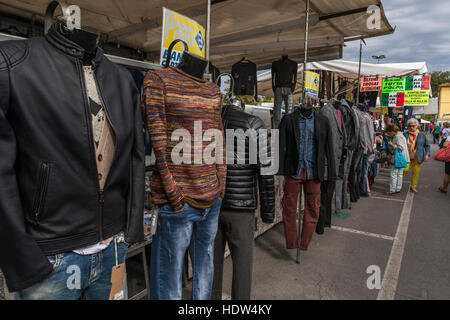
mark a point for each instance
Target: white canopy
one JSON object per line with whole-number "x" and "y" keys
{"x": 367, "y": 69}
{"x": 259, "y": 30}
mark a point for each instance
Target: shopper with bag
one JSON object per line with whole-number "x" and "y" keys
{"x": 401, "y": 158}
{"x": 444, "y": 156}
{"x": 419, "y": 152}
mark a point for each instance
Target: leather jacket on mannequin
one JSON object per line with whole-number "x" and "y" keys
{"x": 50, "y": 200}
{"x": 242, "y": 179}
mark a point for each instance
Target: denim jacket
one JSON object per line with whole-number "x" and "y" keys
{"x": 422, "y": 146}
{"x": 307, "y": 148}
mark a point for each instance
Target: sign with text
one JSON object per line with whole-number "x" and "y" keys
{"x": 417, "y": 98}
{"x": 395, "y": 99}
{"x": 176, "y": 26}
{"x": 312, "y": 84}
{"x": 417, "y": 83}
{"x": 393, "y": 85}
{"x": 371, "y": 84}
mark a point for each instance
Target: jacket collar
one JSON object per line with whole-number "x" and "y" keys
{"x": 55, "y": 38}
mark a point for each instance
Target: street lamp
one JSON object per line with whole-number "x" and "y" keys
{"x": 379, "y": 57}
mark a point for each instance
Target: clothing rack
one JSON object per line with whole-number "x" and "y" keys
{"x": 128, "y": 63}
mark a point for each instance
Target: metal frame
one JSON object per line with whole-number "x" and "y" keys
{"x": 131, "y": 63}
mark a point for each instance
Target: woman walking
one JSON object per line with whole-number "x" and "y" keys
{"x": 399, "y": 142}
{"x": 444, "y": 188}
{"x": 419, "y": 152}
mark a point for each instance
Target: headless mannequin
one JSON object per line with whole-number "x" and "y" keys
{"x": 85, "y": 39}
{"x": 306, "y": 111}
{"x": 191, "y": 64}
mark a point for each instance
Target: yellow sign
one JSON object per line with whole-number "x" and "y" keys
{"x": 312, "y": 83}
{"x": 176, "y": 26}
{"x": 417, "y": 98}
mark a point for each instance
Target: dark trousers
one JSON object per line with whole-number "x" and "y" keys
{"x": 436, "y": 137}
{"x": 355, "y": 175}
{"x": 237, "y": 229}
{"x": 342, "y": 195}
{"x": 326, "y": 202}
{"x": 292, "y": 189}
{"x": 363, "y": 182}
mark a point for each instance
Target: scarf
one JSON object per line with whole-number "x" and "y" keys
{"x": 412, "y": 140}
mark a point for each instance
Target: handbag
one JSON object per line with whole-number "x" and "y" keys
{"x": 400, "y": 160}
{"x": 443, "y": 154}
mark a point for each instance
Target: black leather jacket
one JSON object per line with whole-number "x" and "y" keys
{"x": 242, "y": 179}
{"x": 50, "y": 200}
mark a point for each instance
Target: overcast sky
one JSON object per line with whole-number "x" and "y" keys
{"x": 422, "y": 34}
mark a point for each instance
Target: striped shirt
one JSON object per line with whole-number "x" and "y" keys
{"x": 175, "y": 100}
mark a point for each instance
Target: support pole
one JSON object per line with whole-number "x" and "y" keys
{"x": 208, "y": 36}
{"x": 303, "y": 102}
{"x": 306, "y": 53}
{"x": 359, "y": 70}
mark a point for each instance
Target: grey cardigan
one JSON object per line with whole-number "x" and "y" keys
{"x": 401, "y": 143}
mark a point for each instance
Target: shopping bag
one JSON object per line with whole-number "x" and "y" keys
{"x": 443, "y": 154}
{"x": 400, "y": 161}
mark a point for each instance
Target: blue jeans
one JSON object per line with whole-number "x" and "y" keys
{"x": 363, "y": 188}
{"x": 177, "y": 231}
{"x": 77, "y": 277}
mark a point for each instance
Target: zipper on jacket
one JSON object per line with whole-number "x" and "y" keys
{"x": 44, "y": 177}
{"x": 108, "y": 117}
{"x": 100, "y": 194}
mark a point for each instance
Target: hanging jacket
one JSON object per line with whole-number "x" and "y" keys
{"x": 50, "y": 198}
{"x": 350, "y": 124}
{"x": 245, "y": 181}
{"x": 245, "y": 79}
{"x": 336, "y": 134}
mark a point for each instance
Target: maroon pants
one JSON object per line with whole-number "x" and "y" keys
{"x": 292, "y": 189}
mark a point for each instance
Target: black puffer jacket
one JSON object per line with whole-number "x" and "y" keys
{"x": 242, "y": 179}
{"x": 50, "y": 199}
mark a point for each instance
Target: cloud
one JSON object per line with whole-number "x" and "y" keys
{"x": 422, "y": 34}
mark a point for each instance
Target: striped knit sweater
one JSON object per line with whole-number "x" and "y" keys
{"x": 175, "y": 100}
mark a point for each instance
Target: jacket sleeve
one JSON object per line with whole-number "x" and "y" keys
{"x": 21, "y": 260}
{"x": 255, "y": 76}
{"x": 135, "y": 200}
{"x": 266, "y": 182}
{"x": 221, "y": 164}
{"x": 154, "y": 104}
{"x": 282, "y": 169}
{"x": 326, "y": 167}
{"x": 427, "y": 146}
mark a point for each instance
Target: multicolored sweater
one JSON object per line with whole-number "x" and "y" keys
{"x": 175, "y": 100}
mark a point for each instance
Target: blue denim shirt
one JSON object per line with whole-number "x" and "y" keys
{"x": 308, "y": 152}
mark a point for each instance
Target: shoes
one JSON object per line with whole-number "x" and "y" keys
{"x": 442, "y": 190}
{"x": 414, "y": 190}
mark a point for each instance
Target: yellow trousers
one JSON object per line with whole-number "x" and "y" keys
{"x": 416, "y": 167}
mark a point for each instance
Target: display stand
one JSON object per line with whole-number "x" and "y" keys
{"x": 134, "y": 251}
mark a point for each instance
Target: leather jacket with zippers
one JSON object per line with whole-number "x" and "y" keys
{"x": 50, "y": 199}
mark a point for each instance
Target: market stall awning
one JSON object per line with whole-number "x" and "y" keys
{"x": 259, "y": 30}
{"x": 349, "y": 69}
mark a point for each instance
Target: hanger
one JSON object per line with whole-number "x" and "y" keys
{"x": 229, "y": 95}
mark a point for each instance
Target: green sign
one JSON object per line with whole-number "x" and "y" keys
{"x": 394, "y": 85}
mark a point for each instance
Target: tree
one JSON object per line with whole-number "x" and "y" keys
{"x": 438, "y": 78}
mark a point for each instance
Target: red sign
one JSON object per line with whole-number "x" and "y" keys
{"x": 371, "y": 83}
